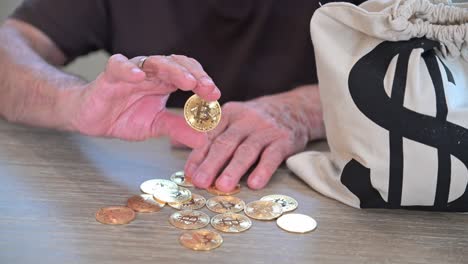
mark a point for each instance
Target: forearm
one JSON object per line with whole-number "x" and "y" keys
{"x": 31, "y": 90}
{"x": 301, "y": 108}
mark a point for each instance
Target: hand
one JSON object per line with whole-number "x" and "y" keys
{"x": 128, "y": 103}
{"x": 267, "y": 130}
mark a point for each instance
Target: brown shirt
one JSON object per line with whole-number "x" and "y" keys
{"x": 249, "y": 47}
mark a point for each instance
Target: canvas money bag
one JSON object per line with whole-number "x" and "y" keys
{"x": 393, "y": 80}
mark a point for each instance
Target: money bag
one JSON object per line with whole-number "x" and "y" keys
{"x": 393, "y": 80}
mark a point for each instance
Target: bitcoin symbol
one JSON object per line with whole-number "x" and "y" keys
{"x": 227, "y": 205}
{"x": 188, "y": 218}
{"x": 231, "y": 222}
{"x": 368, "y": 93}
{"x": 280, "y": 201}
{"x": 205, "y": 239}
{"x": 202, "y": 113}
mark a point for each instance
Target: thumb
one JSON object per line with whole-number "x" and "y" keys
{"x": 177, "y": 129}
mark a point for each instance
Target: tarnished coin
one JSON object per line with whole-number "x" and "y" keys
{"x": 213, "y": 190}
{"x": 144, "y": 203}
{"x": 201, "y": 239}
{"x": 178, "y": 195}
{"x": 202, "y": 115}
{"x": 263, "y": 210}
{"x": 225, "y": 204}
{"x": 289, "y": 204}
{"x": 189, "y": 219}
{"x": 151, "y": 186}
{"x": 231, "y": 223}
{"x": 115, "y": 215}
{"x": 180, "y": 179}
{"x": 296, "y": 223}
{"x": 195, "y": 203}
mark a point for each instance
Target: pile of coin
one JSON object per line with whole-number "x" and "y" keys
{"x": 228, "y": 219}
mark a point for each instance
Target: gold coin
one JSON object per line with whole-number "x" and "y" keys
{"x": 296, "y": 223}
{"x": 202, "y": 115}
{"x": 195, "y": 203}
{"x": 144, "y": 203}
{"x": 115, "y": 215}
{"x": 201, "y": 239}
{"x": 225, "y": 204}
{"x": 151, "y": 186}
{"x": 180, "y": 179}
{"x": 178, "y": 195}
{"x": 231, "y": 223}
{"x": 189, "y": 219}
{"x": 263, "y": 210}
{"x": 287, "y": 203}
{"x": 213, "y": 190}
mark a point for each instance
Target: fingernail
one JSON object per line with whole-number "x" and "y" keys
{"x": 206, "y": 81}
{"x": 136, "y": 70}
{"x": 190, "y": 77}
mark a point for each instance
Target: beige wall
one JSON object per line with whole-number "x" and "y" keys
{"x": 87, "y": 67}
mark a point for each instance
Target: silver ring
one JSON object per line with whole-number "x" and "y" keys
{"x": 141, "y": 62}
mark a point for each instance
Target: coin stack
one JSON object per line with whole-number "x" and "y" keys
{"x": 228, "y": 219}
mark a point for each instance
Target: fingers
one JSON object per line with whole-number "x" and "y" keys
{"x": 182, "y": 72}
{"x": 270, "y": 160}
{"x": 220, "y": 152}
{"x": 120, "y": 69}
{"x": 177, "y": 129}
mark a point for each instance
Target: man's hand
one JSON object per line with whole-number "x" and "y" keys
{"x": 267, "y": 130}
{"x": 129, "y": 103}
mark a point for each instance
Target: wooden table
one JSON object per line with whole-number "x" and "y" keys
{"x": 52, "y": 183}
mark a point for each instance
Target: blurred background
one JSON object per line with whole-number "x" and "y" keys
{"x": 88, "y": 67}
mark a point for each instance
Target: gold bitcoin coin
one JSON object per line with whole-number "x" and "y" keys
{"x": 195, "y": 203}
{"x": 225, "y": 204}
{"x": 213, "y": 190}
{"x": 263, "y": 210}
{"x": 287, "y": 203}
{"x": 180, "y": 179}
{"x": 178, "y": 195}
{"x": 115, "y": 215}
{"x": 189, "y": 219}
{"x": 151, "y": 186}
{"x": 144, "y": 203}
{"x": 231, "y": 223}
{"x": 296, "y": 223}
{"x": 201, "y": 239}
{"x": 202, "y": 115}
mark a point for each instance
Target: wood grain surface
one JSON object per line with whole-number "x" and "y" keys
{"x": 52, "y": 183}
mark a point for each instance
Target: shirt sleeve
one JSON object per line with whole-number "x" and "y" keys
{"x": 76, "y": 27}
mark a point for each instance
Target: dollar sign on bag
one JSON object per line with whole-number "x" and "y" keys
{"x": 366, "y": 86}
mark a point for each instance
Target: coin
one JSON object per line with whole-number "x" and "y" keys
{"x": 189, "y": 219}
{"x": 287, "y": 203}
{"x": 195, "y": 203}
{"x": 263, "y": 210}
{"x": 231, "y": 223}
{"x": 213, "y": 190}
{"x": 180, "y": 179}
{"x": 144, "y": 203}
{"x": 178, "y": 195}
{"x": 225, "y": 204}
{"x": 115, "y": 215}
{"x": 151, "y": 186}
{"x": 201, "y": 239}
{"x": 202, "y": 115}
{"x": 296, "y": 223}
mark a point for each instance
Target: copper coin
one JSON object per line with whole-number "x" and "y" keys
{"x": 189, "y": 219}
{"x": 115, "y": 215}
{"x": 195, "y": 203}
{"x": 201, "y": 239}
{"x": 225, "y": 204}
{"x": 213, "y": 190}
{"x": 231, "y": 223}
{"x": 144, "y": 203}
{"x": 202, "y": 115}
{"x": 263, "y": 210}
{"x": 287, "y": 203}
{"x": 180, "y": 179}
